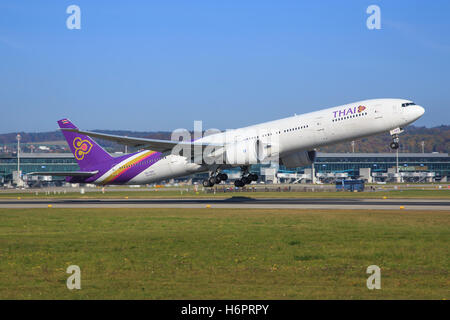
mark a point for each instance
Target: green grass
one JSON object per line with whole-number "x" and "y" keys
{"x": 223, "y": 253}
{"x": 408, "y": 193}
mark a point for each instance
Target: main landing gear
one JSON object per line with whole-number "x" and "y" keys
{"x": 215, "y": 178}
{"x": 246, "y": 178}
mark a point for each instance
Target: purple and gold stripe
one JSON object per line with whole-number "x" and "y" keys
{"x": 126, "y": 167}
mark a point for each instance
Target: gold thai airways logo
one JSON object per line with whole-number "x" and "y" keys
{"x": 82, "y": 147}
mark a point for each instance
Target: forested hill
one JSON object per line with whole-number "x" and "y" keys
{"x": 36, "y": 137}
{"x": 435, "y": 139}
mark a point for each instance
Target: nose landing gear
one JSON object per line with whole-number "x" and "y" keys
{"x": 394, "y": 133}
{"x": 394, "y": 145}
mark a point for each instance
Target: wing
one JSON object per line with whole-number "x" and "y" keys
{"x": 144, "y": 143}
{"x": 65, "y": 173}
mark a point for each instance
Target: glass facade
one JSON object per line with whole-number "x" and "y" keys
{"x": 351, "y": 163}
{"x": 36, "y": 162}
{"x": 325, "y": 163}
{"x": 378, "y": 162}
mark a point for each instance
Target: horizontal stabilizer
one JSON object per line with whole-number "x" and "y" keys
{"x": 65, "y": 173}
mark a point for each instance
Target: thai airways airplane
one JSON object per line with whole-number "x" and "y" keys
{"x": 291, "y": 141}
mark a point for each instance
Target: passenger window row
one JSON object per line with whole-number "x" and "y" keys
{"x": 278, "y": 132}
{"x": 350, "y": 117}
{"x": 296, "y": 128}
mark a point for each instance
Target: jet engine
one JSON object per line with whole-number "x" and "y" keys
{"x": 298, "y": 159}
{"x": 245, "y": 152}
{"x": 241, "y": 153}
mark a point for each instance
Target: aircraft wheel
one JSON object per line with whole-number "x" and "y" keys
{"x": 206, "y": 183}
{"x": 217, "y": 179}
{"x": 239, "y": 183}
{"x": 223, "y": 177}
{"x": 212, "y": 181}
{"x": 246, "y": 180}
{"x": 394, "y": 145}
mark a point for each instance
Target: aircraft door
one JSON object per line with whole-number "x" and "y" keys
{"x": 319, "y": 130}
{"x": 396, "y": 109}
{"x": 176, "y": 164}
{"x": 398, "y": 114}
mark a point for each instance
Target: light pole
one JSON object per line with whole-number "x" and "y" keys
{"x": 396, "y": 161}
{"x": 18, "y": 137}
{"x": 397, "y": 170}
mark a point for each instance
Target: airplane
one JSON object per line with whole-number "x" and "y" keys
{"x": 291, "y": 141}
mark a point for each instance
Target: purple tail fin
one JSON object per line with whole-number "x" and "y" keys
{"x": 87, "y": 152}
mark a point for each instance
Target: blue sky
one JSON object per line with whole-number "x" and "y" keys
{"x": 160, "y": 65}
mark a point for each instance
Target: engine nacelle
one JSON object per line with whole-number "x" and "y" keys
{"x": 241, "y": 153}
{"x": 299, "y": 159}
{"x": 244, "y": 152}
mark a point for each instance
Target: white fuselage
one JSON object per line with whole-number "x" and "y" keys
{"x": 300, "y": 132}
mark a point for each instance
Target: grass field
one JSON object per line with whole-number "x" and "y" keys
{"x": 397, "y": 194}
{"x": 223, "y": 253}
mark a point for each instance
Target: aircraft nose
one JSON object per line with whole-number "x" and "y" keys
{"x": 420, "y": 111}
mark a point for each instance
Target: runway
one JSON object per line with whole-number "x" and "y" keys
{"x": 235, "y": 202}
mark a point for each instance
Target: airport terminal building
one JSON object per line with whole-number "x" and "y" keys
{"x": 31, "y": 162}
{"x": 380, "y": 167}
{"x": 328, "y": 167}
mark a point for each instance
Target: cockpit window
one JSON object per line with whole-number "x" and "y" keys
{"x": 408, "y": 104}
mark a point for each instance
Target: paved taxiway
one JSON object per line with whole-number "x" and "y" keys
{"x": 235, "y": 202}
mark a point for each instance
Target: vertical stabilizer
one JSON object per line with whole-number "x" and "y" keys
{"x": 87, "y": 152}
